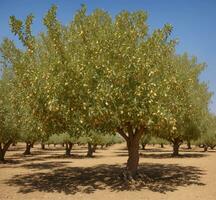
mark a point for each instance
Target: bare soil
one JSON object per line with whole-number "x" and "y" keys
{"x": 48, "y": 174}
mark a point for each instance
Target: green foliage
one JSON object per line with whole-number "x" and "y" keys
{"x": 9, "y": 116}
{"x": 157, "y": 140}
{"x": 208, "y": 138}
{"x": 62, "y": 139}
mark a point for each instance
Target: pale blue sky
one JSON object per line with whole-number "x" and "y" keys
{"x": 194, "y": 22}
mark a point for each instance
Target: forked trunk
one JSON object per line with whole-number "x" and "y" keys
{"x": 69, "y": 146}
{"x": 132, "y": 138}
{"x": 133, "y": 156}
{"x": 28, "y": 148}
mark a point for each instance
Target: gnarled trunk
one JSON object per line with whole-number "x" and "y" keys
{"x": 3, "y": 148}
{"x": 28, "y": 148}
{"x": 69, "y": 146}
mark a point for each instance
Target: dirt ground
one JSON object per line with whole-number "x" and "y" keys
{"x": 47, "y": 174}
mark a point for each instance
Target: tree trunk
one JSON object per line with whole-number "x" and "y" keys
{"x": 42, "y": 146}
{"x": 3, "y": 149}
{"x": 143, "y": 146}
{"x": 212, "y": 146}
{"x": 162, "y": 145}
{"x": 28, "y": 149}
{"x": 69, "y": 146}
{"x": 14, "y": 144}
{"x": 90, "y": 150}
{"x": 63, "y": 145}
{"x": 205, "y": 148}
{"x": 189, "y": 145}
{"x": 176, "y": 145}
{"x": 132, "y": 138}
{"x": 133, "y": 155}
{"x": 32, "y": 145}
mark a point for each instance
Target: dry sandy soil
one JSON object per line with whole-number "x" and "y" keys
{"x": 49, "y": 175}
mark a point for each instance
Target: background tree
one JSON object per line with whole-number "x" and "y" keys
{"x": 9, "y": 116}
{"x": 187, "y": 103}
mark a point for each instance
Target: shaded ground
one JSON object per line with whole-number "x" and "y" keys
{"x": 50, "y": 175}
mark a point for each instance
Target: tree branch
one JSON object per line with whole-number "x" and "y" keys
{"x": 121, "y": 132}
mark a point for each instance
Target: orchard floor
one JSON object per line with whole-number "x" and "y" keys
{"x": 46, "y": 174}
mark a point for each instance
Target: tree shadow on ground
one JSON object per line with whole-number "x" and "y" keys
{"x": 167, "y": 155}
{"x": 160, "y": 178}
{"x": 45, "y": 165}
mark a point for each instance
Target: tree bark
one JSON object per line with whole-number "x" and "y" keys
{"x": 143, "y": 146}
{"x": 133, "y": 156}
{"x": 205, "y": 148}
{"x": 132, "y": 138}
{"x": 3, "y": 148}
{"x": 28, "y": 149}
{"x": 90, "y": 150}
{"x": 162, "y": 145}
{"x": 69, "y": 146}
{"x": 42, "y": 146}
{"x": 176, "y": 145}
